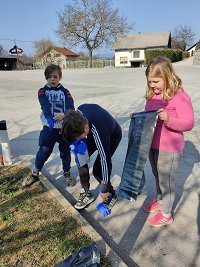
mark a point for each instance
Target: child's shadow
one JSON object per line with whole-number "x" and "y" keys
{"x": 190, "y": 157}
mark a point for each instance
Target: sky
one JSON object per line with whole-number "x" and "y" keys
{"x": 25, "y": 21}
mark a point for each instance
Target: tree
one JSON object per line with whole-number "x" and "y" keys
{"x": 182, "y": 37}
{"x": 91, "y": 24}
{"x": 82, "y": 56}
{"x": 2, "y": 50}
{"x": 42, "y": 46}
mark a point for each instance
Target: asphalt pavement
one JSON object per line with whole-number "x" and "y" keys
{"x": 123, "y": 235}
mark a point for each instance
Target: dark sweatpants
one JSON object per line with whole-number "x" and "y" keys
{"x": 47, "y": 140}
{"x": 97, "y": 170}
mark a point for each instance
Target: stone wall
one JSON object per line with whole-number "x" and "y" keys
{"x": 196, "y": 60}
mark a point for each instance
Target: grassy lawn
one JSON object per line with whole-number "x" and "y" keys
{"x": 34, "y": 229}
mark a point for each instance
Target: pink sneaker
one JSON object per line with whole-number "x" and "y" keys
{"x": 152, "y": 206}
{"x": 159, "y": 220}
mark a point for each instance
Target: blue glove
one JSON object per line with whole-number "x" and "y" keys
{"x": 80, "y": 151}
{"x": 50, "y": 121}
{"x": 79, "y": 147}
{"x": 82, "y": 147}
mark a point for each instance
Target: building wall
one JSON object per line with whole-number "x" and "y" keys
{"x": 123, "y": 58}
{"x": 54, "y": 57}
{"x": 191, "y": 51}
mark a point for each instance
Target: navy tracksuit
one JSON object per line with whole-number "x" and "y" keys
{"x": 53, "y": 100}
{"x": 104, "y": 136}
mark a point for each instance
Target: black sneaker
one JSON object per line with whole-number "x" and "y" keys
{"x": 84, "y": 199}
{"x": 69, "y": 179}
{"x": 30, "y": 179}
{"x": 111, "y": 200}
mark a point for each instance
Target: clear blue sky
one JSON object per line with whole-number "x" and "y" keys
{"x": 30, "y": 20}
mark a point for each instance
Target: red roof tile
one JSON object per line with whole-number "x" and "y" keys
{"x": 65, "y": 51}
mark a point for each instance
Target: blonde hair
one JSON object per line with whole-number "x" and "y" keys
{"x": 161, "y": 67}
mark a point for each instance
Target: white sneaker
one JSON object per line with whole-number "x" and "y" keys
{"x": 84, "y": 199}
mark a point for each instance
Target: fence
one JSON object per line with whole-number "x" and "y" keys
{"x": 79, "y": 64}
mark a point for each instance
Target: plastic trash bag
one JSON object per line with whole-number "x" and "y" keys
{"x": 88, "y": 256}
{"x": 141, "y": 130}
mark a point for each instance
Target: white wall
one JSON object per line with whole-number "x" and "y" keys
{"x": 192, "y": 49}
{"x": 128, "y": 56}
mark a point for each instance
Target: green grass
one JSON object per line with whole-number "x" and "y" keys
{"x": 34, "y": 229}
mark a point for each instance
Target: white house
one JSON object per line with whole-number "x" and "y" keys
{"x": 192, "y": 49}
{"x": 130, "y": 50}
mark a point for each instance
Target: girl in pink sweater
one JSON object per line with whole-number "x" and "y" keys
{"x": 175, "y": 116}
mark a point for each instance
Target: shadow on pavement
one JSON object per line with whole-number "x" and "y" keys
{"x": 190, "y": 157}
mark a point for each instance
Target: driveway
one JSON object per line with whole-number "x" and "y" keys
{"x": 120, "y": 91}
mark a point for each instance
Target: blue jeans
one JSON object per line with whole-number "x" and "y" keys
{"x": 47, "y": 140}
{"x": 141, "y": 132}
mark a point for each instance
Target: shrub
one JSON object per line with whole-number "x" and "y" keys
{"x": 173, "y": 54}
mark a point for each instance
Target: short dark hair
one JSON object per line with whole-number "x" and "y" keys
{"x": 51, "y": 68}
{"x": 73, "y": 125}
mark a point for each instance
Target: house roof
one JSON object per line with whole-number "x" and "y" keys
{"x": 22, "y": 59}
{"x": 193, "y": 46}
{"x": 8, "y": 56}
{"x": 62, "y": 50}
{"x": 143, "y": 40}
{"x": 65, "y": 51}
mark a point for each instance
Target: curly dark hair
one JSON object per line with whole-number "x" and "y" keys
{"x": 73, "y": 125}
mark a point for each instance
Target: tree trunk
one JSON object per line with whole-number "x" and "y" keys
{"x": 90, "y": 56}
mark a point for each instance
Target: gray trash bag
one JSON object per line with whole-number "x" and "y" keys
{"x": 88, "y": 256}
{"x": 141, "y": 130}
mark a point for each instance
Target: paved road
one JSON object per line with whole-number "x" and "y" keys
{"x": 121, "y": 91}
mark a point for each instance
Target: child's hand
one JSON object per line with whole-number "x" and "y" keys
{"x": 58, "y": 116}
{"x": 163, "y": 116}
{"x": 105, "y": 196}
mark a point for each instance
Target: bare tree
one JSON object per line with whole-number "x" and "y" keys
{"x": 91, "y": 24}
{"x": 182, "y": 37}
{"x": 42, "y": 46}
{"x": 2, "y": 50}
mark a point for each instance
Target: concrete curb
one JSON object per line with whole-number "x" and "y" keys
{"x": 103, "y": 247}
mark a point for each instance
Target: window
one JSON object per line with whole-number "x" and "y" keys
{"x": 123, "y": 60}
{"x": 136, "y": 54}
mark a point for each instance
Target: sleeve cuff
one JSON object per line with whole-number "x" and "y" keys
{"x": 104, "y": 188}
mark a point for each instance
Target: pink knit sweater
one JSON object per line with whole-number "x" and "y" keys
{"x": 169, "y": 137}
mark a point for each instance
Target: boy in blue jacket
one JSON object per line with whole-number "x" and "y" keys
{"x": 98, "y": 130}
{"x": 55, "y": 101}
